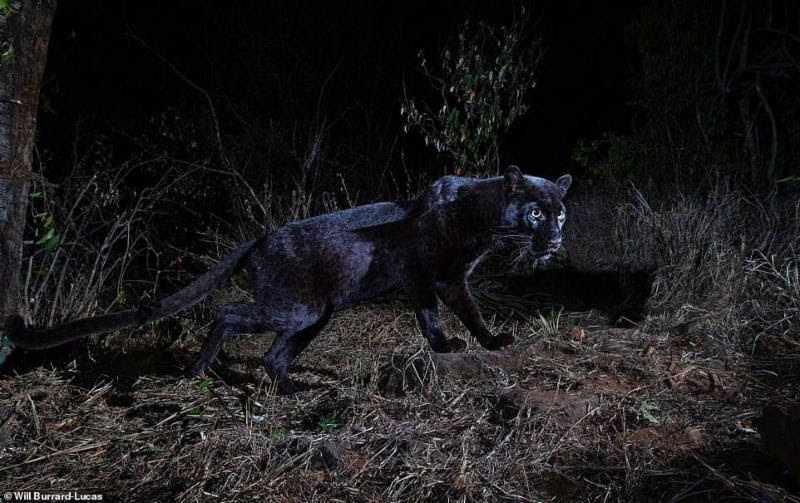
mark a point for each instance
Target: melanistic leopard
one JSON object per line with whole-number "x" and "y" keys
{"x": 303, "y": 271}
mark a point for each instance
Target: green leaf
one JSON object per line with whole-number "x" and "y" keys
{"x": 278, "y": 433}
{"x": 205, "y": 383}
{"x": 328, "y": 423}
{"x": 52, "y": 243}
{"x": 47, "y": 237}
{"x": 650, "y": 412}
{"x": 5, "y": 7}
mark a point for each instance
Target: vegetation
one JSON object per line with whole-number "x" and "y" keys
{"x": 482, "y": 78}
{"x": 715, "y": 94}
{"x": 698, "y": 194}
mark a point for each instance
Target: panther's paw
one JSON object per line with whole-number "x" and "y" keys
{"x": 197, "y": 369}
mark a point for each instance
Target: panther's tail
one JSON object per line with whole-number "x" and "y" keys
{"x": 197, "y": 290}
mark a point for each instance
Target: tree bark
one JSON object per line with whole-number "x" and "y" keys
{"x": 28, "y": 27}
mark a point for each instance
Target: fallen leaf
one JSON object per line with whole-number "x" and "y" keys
{"x": 577, "y": 334}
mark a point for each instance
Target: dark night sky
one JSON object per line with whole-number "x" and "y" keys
{"x": 269, "y": 60}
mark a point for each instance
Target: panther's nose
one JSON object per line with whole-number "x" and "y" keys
{"x": 555, "y": 243}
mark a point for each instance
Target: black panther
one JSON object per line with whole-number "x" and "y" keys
{"x": 303, "y": 271}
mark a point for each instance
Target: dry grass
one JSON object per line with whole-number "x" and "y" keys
{"x": 622, "y": 415}
{"x": 719, "y": 255}
{"x": 584, "y": 411}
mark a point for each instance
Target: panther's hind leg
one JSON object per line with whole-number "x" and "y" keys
{"x": 287, "y": 345}
{"x": 229, "y": 321}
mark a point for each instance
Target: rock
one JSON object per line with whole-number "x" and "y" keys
{"x": 405, "y": 373}
{"x": 479, "y": 364}
{"x": 779, "y": 426}
{"x": 684, "y": 438}
{"x": 565, "y": 408}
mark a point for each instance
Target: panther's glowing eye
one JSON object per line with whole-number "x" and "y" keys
{"x": 536, "y": 213}
{"x": 561, "y": 215}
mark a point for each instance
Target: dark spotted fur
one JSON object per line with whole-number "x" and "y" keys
{"x": 304, "y": 270}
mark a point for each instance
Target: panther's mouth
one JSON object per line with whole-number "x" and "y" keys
{"x": 543, "y": 254}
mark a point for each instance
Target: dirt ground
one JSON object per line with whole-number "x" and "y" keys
{"x": 577, "y": 410}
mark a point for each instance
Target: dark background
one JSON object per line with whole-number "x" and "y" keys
{"x": 267, "y": 66}
{"x": 673, "y": 96}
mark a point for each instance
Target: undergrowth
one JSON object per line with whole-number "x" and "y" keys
{"x": 576, "y": 410}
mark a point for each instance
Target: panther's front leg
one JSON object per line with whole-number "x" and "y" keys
{"x": 424, "y": 301}
{"x": 456, "y": 295}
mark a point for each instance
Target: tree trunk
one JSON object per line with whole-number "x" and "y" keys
{"x": 28, "y": 27}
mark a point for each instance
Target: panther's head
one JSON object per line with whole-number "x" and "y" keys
{"x": 533, "y": 211}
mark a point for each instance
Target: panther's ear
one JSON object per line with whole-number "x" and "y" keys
{"x": 513, "y": 179}
{"x": 563, "y": 184}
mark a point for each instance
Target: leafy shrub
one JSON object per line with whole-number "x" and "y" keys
{"x": 482, "y": 78}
